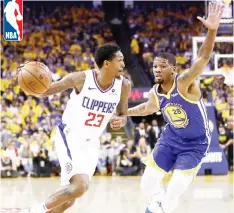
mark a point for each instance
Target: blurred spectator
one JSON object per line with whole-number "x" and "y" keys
{"x": 112, "y": 154}
{"x": 25, "y": 155}
{"x": 125, "y": 165}
{"x": 140, "y": 131}
{"x": 118, "y": 145}
{"x": 41, "y": 165}
{"x": 54, "y": 162}
{"x": 143, "y": 149}
{"x": 153, "y": 132}
{"x": 133, "y": 154}
{"x": 7, "y": 167}
{"x": 12, "y": 152}
{"x": 119, "y": 142}
{"x": 226, "y": 142}
{"x": 104, "y": 163}
{"x": 102, "y": 160}
{"x": 6, "y": 135}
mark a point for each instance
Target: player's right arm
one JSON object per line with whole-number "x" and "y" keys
{"x": 147, "y": 108}
{"x": 187, "y": 78}
{"x": 71, "y": 80}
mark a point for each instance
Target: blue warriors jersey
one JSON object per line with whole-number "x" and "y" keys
{"x": 186, "y": 119}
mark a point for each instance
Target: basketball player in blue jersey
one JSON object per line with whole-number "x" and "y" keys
{"x": 186, "y": 137}
{"x": 97, "y": 95}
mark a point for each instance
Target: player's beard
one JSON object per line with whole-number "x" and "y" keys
{"x": 159, "y": 81}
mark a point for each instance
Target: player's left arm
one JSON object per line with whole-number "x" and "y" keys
{"x": 120, "y": 118}
{"x": 187, "y": 78}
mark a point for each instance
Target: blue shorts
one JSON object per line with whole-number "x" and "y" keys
{"x": 179, "y": 154}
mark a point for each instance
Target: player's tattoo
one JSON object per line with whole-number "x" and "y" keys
{"x": 185, "y": 75}
{"x": 204, "y": 54}
{"x": 71, "y": 80}
{"x": 206, "y": 48}
{"x": 78, "y": 81}
{"x": 64, "y": 193}
{"x": 138, "y": 110}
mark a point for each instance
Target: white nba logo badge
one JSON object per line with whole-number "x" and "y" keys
{"x": 68, "y": 168}
{"x": 13, "y": 20}
{"x": 113, "y": 92}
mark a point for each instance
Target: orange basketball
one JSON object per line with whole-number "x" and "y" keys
{"x": 34, "y": 78}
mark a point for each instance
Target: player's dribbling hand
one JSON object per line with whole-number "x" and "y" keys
{"x": 214, "y": 16}
{"x": 116, "y": 122}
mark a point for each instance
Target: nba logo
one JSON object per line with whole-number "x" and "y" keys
{"x": 13, "y": 20}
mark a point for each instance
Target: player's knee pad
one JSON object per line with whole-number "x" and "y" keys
{"x": 151, "y": 181}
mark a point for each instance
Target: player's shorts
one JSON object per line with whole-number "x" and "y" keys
{"x": 77, "y": 154}
{"x": 178, "y": 154}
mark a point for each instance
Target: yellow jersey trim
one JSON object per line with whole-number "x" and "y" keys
{"x": 190, "y": 172}
{"x": 156, "y": 97}
{"x": 168, "y": 95}
{"x": 149, "y": 161}
{"x": 186, "y": 99}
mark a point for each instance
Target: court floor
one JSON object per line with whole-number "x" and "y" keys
{"x": 210, "y": 194}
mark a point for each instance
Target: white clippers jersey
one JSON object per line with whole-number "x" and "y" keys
{"x": 89, "y": 112}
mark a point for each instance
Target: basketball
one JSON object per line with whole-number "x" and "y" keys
{"x": 19, "y": 17}
{"x": 34, "y": 78}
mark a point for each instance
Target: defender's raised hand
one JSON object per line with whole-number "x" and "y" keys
{"x": 214, "y": 15}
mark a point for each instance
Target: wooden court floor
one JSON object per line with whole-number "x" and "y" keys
{"x": 210, "y": 194}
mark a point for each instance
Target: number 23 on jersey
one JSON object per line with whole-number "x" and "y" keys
{"x": 94, "y": 119}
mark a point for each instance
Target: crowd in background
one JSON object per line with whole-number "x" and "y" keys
{"x": 66, "y": 43}
{"x": 171, "y": 30}
{"x": 223, "y": 99}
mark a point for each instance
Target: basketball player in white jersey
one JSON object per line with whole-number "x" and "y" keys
{"x": 10, "y": 15}
{"x": 97, "y": 95}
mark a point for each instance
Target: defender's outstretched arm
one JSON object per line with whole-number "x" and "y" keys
{"x": 212, "y": 23}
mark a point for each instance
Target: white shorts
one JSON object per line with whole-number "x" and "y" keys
{"x": 77, "y": 154}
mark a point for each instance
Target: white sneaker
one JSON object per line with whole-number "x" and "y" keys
{"x": 155, "y": 207}
{"x": 155, "y": 204}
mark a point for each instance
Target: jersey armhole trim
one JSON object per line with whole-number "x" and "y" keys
{"x": 186, "y": 99}
{"x": 156, "y": 97}
{"x": 182, "y": 96}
